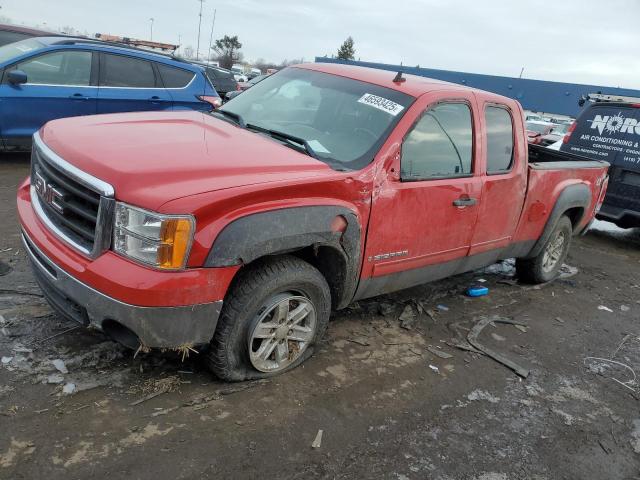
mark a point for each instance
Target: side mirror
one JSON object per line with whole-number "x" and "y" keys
{"x": 17, "y": 77}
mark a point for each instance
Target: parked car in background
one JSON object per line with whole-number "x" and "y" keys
{"x": 254, "y": 73}
{"x": 242, "y": 86}
{"x": 536, "y": 130}
{"x": 45, "y": 78}
{"x": 241, "y": 230}
{"x": 557, "y": 133}
{"x": 611, "y": 131}
{"x": 239, "y": 74}
{"x": 222, "y": 80}
{"x": 529, "y": 116}
{"x": 15, "y": 33}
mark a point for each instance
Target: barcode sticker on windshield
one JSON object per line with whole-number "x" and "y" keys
{"x": 381, "y": 103}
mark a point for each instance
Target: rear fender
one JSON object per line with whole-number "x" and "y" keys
{"x": 573, "y": 196}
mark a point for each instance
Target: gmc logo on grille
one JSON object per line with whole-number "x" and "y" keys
{"x": 48, "y": 193}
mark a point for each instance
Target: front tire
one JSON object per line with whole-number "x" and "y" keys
{"x": 545, "y": 266}
{"x": 274, "y": 314}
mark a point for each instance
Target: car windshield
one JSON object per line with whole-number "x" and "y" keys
{"x": 12, "y": 50}
{"x": 537, "y": 127}
{"x": 343, "y": 121}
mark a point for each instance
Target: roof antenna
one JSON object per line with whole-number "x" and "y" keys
{"x": 399, "y": 78}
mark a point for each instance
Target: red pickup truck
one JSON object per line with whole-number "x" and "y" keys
{"x": 236, "y": 232}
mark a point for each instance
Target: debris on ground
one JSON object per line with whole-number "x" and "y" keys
{"x": 482, "y": 395}
{"x": 69, "y": 388}
{"x": 442, "y": 308}
{"x": 439, "y": 353}
{"x": 157, "y": 387}
{"x": 497, "y": 337}
{"x": 604, "y": 308}
{"x": 407, "y": 318}
{"x": 624, "y": 308}
{"x": 360, "y": 341}
{"x": 472, "y": 337}
{"x": 600, "y": 366}
{"x": 506, "y": 267}
{"x": 477, "y": 291}
{"x": 522, "y": 328}
{"x": 6, "y": 360}
{"x": 55, "y": 378}
{"x": 318, "y": 440}
{"x": 60, "y": 366}
{"x": 567, "y": 271}
{"x": 434, "y": 368}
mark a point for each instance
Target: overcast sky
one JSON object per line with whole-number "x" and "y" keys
{"x": 582, "y": 41}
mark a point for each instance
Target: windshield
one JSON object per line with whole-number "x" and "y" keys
{"x": 537, "y": 127}
{"x": 344, "y": 121}
{"x": 12, "y": 50}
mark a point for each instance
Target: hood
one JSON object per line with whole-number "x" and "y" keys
{"x": 154, "y": 157}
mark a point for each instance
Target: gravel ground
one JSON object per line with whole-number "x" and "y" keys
{"x": 394, "y": 397}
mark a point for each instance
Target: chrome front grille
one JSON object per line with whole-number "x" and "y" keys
{"x": 74, "y": 205}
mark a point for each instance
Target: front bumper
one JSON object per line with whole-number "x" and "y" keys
{"x": 156, "y": 327}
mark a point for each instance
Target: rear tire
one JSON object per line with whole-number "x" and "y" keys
{"x": 274, "y": 314}
{"x": 545, "y": 266}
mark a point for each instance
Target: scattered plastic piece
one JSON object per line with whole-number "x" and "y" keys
{"x": 481, "y": 280}
{"x": 442, "y": 308}
{"x": 318, "y": 440}
{"x": 606, "y": 309}
{"x": 6, "y": 360}
{"x": 69, "y": 388}
{"x": 472, "y": 338}
{"x": 624, "y": 308}
{"x": 439, "y": 353}
{"x": 477, "y": 291}
{"x": 55, "y": 378}
{"x": 60, "y": 366}
{"x": 434, "y": 368}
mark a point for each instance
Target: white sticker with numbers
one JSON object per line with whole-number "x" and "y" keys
{"x": 381, "y": 103}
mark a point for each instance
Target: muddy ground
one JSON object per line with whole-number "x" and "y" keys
{"x": 388, "y": 407}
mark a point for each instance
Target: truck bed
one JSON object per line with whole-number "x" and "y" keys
{"x": 543, "y": 158}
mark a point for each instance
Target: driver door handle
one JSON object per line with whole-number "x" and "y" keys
{"x": 464, "y": 202}
{"x": 79, "y": 96}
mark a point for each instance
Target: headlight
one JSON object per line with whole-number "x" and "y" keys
{"x": 162, "y": 241}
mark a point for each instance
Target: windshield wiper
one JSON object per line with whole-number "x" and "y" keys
{"x": 290, "y": 139}
{"x": 235, "y": 117}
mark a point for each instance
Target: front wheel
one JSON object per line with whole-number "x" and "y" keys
{"x": 276, "y": 311}
{"x": 545, "y": 266}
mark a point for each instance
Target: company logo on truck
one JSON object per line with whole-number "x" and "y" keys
{"x": 612, "y": 124}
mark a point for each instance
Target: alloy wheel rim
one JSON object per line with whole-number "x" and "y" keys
{"x": 284, "y": 329}
{"x": 553, "y": 252}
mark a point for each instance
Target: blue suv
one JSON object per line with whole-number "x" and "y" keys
{"x": 45, "y": 78}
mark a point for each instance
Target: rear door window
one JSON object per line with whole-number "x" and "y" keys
{"x": 499, "y": 128}
{"x": 126, "y": 72}
{"x": 440, "y": 145}
{"x": 173, "y": 77}
{"x": 610, "y": 133}
{"x": 68, "y": 67}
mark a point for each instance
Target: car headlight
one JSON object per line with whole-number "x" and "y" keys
{"x": 162, "y": 241}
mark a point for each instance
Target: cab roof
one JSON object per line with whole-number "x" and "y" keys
{"x": 414, "y": 85}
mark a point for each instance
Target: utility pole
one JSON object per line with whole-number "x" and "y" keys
{"x": 521, "y": 72}
{"x": 179, "y": 41}
{"x": 151, "y": 20}
{"x": 211, "y": 37}
{"x": 199, "y": 26}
